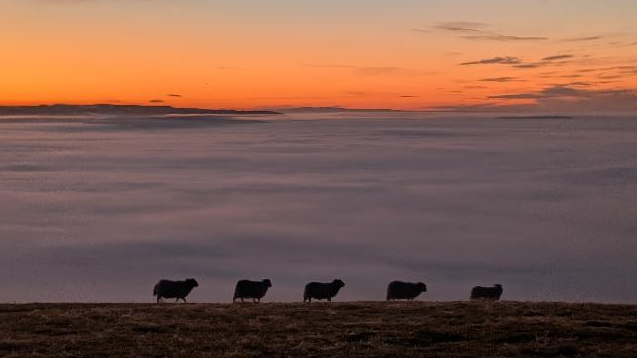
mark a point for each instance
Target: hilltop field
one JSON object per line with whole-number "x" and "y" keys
{"x": 419, "y": 329}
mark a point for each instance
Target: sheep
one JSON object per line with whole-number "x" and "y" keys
{"x": 251, "y": 289}
{"x": 174, "y": 289}
{"x": 397, "y": 290}
{"x": 321, "y": 291}
{"x": 487, "y": 293}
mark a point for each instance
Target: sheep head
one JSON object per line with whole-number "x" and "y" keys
{"x": 338, "y": 283}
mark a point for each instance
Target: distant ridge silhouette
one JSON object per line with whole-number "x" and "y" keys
{"x": 334, "y": 109}
{"x": 112, "y": 109}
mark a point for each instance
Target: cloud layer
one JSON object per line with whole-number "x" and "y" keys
{"x": 99, "y": 210}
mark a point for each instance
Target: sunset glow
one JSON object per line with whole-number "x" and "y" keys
{"x": 408, "y": 54}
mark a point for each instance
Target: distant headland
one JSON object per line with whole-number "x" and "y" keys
{"x": 332, "y": 109}
{"x": 537, "y": 117}
{"x": 112, "y": 109}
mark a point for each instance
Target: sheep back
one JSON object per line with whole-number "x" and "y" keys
{"x": 397, "y": 290}
{"x": 251, "y": 289}
{"x": 322, "y": 291}
{"x": 174, "y": 289}
{"x": 489, "y": 293}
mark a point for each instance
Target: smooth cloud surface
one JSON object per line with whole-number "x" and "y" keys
{"x": 98, "y": 211}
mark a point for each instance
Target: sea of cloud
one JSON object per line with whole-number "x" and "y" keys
{"x": 99, "y": 210}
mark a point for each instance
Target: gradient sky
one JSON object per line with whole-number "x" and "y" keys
{"x": 407, "y": 54}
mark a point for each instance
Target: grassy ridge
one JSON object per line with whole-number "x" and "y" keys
{"x": 457, "y": 329}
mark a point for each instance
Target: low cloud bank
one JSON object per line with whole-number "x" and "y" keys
{"x": 544, "y": 206}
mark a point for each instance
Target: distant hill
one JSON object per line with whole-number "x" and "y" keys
{"x": 111, "y": 109}
{"x": 331, "y": 110}
{"x": 537, "y": 117}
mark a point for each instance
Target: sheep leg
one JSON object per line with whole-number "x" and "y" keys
{"x": 184, "y": 298}
{"x": 329, "y": 299}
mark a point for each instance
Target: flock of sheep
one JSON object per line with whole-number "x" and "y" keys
{"x": 256, "y": 290}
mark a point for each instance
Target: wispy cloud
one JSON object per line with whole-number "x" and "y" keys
{"x": 570, "y": 97}
{"x": 583, "y": 39}
{"x": 516, "y": 62}
{"x": 462, "y": 26}
{"x": 554, "y": 60}
{"x": 516, "y": 96}
{"x": 501, "y": 37}
{"x": 477, "y": 31}
{"x": 507, "y": 60}
{"x": 623, "y": 69}
{"x": 528, "y": 65}
{"x": 557, "y": 57}
{"x": 572, "y": 84}
{"x": 501, "y": 79}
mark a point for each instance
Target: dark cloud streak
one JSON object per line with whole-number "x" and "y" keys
{"x": 501, "y": 79}
{"x": 508, "y": 60}
{"x": 557, "y": 57}
{"x": 476, "y": 31}
{"x": 582, "y": 39}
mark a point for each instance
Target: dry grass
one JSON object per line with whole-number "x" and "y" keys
{"x": 505, "y": 329}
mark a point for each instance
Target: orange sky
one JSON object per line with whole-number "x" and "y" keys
{"x": 404, "y": 54}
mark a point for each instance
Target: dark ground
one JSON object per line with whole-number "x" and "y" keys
{"x": 455, "y": 329}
